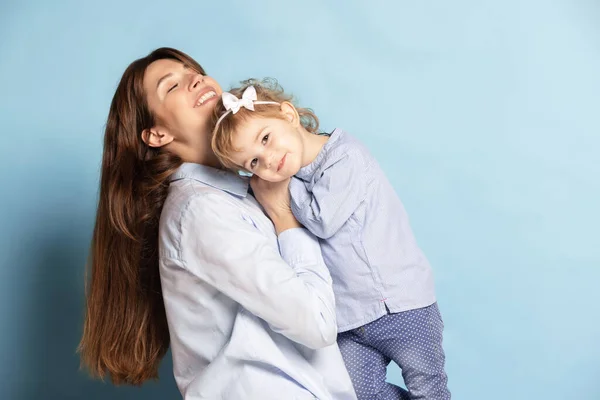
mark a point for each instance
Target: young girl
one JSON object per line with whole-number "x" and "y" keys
{"x": 385, "y": 301}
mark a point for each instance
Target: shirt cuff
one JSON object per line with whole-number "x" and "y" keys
{"x": 299, "y": 246}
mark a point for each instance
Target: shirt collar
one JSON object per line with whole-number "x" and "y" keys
{"x": 221, "y": 179}
{"x": 308, "y": 171}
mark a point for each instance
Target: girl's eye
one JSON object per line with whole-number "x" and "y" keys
{"x": 172, "y": 88}
{"x": 253, "y": 163}
{"x": 265, "y": 139}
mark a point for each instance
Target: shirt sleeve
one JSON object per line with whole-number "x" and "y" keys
{"x": 335, "y": 196}
{"x": 292, "y": 294}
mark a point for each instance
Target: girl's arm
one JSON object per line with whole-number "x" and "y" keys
{"x": 336, "y": 195}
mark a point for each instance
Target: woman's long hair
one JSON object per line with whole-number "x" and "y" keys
{"x": 125, "y": 333}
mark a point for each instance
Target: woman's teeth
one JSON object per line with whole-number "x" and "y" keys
{"x": 205, "y": 97}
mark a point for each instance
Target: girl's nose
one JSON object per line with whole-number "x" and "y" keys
{"x": 268, "y": 160}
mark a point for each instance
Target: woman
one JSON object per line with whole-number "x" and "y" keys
{"x": 243, "y": 322}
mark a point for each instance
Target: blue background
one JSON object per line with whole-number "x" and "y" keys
{"x": 485, "y": 115}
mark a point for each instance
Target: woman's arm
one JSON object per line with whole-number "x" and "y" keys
{"x": 294, "y": 296}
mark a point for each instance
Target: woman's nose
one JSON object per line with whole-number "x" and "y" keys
{"x": 195, "y": 81}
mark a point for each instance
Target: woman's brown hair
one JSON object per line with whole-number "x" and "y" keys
{"x": 125, "y": 333}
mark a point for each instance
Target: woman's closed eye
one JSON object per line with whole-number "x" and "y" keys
{"x": 172, "y": 88}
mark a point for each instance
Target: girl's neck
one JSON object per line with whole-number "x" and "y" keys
{"x": 313, "y": 144}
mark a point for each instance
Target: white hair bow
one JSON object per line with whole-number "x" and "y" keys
{"x": 234, "y": 104}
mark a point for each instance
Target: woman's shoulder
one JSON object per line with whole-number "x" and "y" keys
{"x": 188, "y": 193}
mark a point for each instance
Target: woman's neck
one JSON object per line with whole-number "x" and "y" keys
{"x": 198, "y": 153}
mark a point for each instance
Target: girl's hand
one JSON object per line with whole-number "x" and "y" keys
{"x": 275, "y": 199}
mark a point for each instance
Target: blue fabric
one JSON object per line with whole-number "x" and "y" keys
{"x": 344, "y": 198}
{"x": 246, "y": 322}
{"x": 413, "y": 340}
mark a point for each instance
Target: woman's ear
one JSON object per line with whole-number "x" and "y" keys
{"x": 157, "y": 136}
{"x": 290, "y": 113}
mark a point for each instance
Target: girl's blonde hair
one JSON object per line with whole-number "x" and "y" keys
{"x": 267, "y": 89}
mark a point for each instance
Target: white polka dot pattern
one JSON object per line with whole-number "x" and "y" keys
{"x": 412, "y": 339}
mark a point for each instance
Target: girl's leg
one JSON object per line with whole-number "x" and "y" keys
{"x": 367, "y": 368}
{"x": 413, "y": 339}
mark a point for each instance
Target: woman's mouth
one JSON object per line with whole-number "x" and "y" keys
{"x": 281, "y": 163}
{"x": 205, "y": 96}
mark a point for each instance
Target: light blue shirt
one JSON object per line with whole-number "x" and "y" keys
{"x": 245, "y": 322}
{"x": 344, "y": 198}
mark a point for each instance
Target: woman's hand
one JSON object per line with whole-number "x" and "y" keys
{"x": 275, "y": 199}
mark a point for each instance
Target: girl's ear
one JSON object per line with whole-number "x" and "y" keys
{"x": 157, "y": 136}
{"x": 290, "y": 113}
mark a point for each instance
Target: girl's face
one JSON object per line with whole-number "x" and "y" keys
{"x": 182, "y": 101}
{"x": 271, "y": 148}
